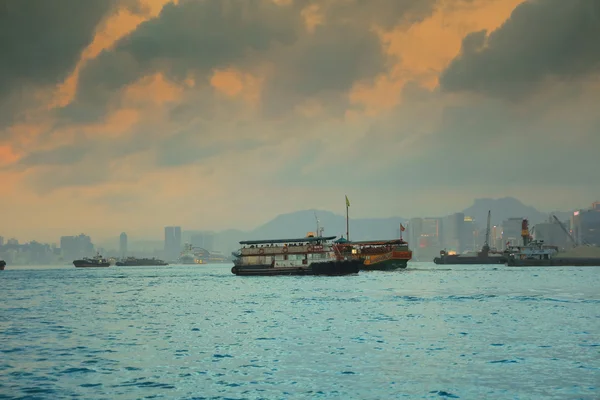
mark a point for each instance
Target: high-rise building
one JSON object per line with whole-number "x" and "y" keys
{"x": 204, "y": 240}
{"x": 425, "y": 238}
{"x": 76, "y": 247}
{"x": 123, "y": 245}
{"x": 586, "y": 226}
{"x": 452, "y": 227}
{"x": 172, "y": 242}
{"x": 468, "y": 234}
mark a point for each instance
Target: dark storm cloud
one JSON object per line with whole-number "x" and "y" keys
{"x": 329, "y": 61}
{"x": 195, "y": 37}
{"x": 191, "y": 37}
{"x": 41, "y": 42}
{"x": 383, "y": 13}
{"x": 542, "y": 39}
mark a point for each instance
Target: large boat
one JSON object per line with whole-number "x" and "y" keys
{"x": 311, "y": 255}
{"x": 93, "y": 262}
{"x": 535, "y": 253}
{"x": 2, "y": 265}
{"x": 485, "y": 256}
{"x": 188, "y": 256}
{"x": 378, "y": 255}
{"x": 139, "y": 262}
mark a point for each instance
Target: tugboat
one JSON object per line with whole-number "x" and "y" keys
{"x": 140, "y": 262}
{"x": 94, "y": 262}
{"x": 302, "y": 256}
{"x": 485, "y": 256}
{"x": 2, "y": 265}
{"x": 378, "y": 255}
{"x": 535, "y": 253}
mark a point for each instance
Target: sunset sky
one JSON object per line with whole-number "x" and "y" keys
{"x": 123, "y": 115}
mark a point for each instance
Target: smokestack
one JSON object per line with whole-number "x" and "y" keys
{"x": 525, "y": 231}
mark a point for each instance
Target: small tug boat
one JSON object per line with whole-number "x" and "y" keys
{"x": 2, "y": 265}
{"x": 303, "y": 256}
{"x": 94, "y": 262}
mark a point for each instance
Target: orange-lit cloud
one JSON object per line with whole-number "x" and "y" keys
{"x": 424, "y": 49}
{"x": 234, "y": 83}
{"x": 114, "y": 28}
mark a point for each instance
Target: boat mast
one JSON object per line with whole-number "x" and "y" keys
{"x": 347, "y": 219}
{"x": 317, "y": 218}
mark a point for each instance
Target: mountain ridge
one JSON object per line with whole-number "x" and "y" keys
{"x": 298, "y": 223}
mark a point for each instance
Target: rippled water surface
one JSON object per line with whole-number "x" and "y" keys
{"x": 200, "y": 332}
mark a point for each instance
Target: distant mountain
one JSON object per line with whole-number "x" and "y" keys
{"x": 299, "y": 223}
{"x": 508, "y": 207}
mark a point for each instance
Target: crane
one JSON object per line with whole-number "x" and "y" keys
{"x": 565, "y": 230}
{"x": 486, "y": 246}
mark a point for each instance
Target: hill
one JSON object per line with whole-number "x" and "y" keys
{"x": 299, "y": 223}
{"x": 508, "y": 207}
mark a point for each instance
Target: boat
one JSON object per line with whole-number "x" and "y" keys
{"x": 188, "y": 256}
{"x": 310, "y": 255}
{"x": 485, "y": 256}
{"x": 138, "y": 262}
{"x": 2, "y": 265}
{"x": 535, "y": 253}
{"x": 378, "y": 255}
{"x": 93, "y": 262}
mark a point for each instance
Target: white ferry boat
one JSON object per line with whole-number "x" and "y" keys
{"x": 302, "y": 256}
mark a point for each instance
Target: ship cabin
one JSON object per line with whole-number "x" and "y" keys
{"x": 536, "y": 250}
{"x": 286, "y": 252}
{"x": 372, "y": 246}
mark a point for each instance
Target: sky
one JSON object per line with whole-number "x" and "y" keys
{"x": 125, "y": 115}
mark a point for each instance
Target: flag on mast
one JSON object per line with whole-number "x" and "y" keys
{"x": 402, "y": 228}
{"x": 347, "y": 201}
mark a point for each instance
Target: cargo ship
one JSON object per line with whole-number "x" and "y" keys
{"x": 140, "y": 262}
{"x": 377, "y": 255}
{"x": 485, "y": 256}
{"x": 311, "y": 255}
{"x": 535, "y": 253}
{"x": 2, "y": 265}
{"x": 94, "y": 262}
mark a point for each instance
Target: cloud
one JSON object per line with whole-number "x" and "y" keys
{"x": 542, "y": 39}
{"x": 186, "y": 40}
{"x": 168, "y": 116}
{"x": 192, "y": 39}
{"x": 64, "y": 155}
{"x": 41, "y": 43}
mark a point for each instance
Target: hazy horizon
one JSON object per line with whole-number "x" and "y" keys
{"x": 134, "y": 115}
{"x": 157, "y": 233}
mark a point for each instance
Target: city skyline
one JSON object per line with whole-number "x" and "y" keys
{"x": 186, "y": 233}
{"x": 194, "y": 113}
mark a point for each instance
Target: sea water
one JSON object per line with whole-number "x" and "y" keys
{"x": 183, "y": 332}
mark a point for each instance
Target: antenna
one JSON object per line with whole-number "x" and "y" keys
{"x": 318, "y": 229}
